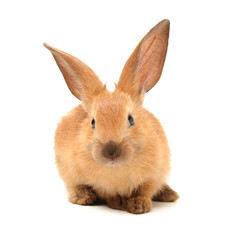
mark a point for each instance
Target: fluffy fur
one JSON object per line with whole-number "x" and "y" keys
{"x": 138, "y": 174}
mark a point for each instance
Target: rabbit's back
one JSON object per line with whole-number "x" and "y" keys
{"x": 69, "y": 126}
{"x": 67, "y": 143}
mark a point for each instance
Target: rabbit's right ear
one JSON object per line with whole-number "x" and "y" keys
{"x": 83, "y": 83}
{"x": 144, "y": 67}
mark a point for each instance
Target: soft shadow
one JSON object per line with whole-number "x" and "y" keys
{"x": 101, "y": 206}
{"x": 164, "y": 205}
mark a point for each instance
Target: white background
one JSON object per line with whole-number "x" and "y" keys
{"x": 197, "y": 100}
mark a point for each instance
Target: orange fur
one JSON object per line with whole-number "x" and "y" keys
{"x": 139, "y": 173}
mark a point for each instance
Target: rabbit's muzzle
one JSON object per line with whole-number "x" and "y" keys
{"x": 111, "y": 150}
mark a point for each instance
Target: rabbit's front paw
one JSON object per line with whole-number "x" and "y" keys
{"x": 138, "y": 205}
{"x": 84, "y": 196}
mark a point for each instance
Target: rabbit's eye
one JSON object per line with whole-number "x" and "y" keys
{"x": 93, "y": 123}
{"x": 130, "y": 120}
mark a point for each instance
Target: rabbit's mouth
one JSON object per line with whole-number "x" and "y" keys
{"x": 113, "y": 163}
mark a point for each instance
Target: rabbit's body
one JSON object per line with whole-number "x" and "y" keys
{"x": 77, "y": 166}
{"x": 110, "y": 147}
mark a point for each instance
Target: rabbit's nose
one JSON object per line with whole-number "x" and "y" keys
{"x": 111, "y": 150}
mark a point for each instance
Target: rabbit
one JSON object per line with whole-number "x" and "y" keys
{"x": 110, "y": 148}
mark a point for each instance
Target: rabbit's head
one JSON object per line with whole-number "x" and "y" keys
{"x": 114, "y": 129}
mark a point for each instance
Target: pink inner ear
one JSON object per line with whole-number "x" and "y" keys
{"x": 149, "y": 62}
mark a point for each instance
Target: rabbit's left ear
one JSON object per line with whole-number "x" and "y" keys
{"x": 144, "y": 67}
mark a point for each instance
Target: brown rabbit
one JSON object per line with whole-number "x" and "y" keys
{"x": 110, "y": 147}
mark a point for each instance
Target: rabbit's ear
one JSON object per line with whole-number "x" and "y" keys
{"x": 81, "y": 80}
{"x": 144, "y": 67}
